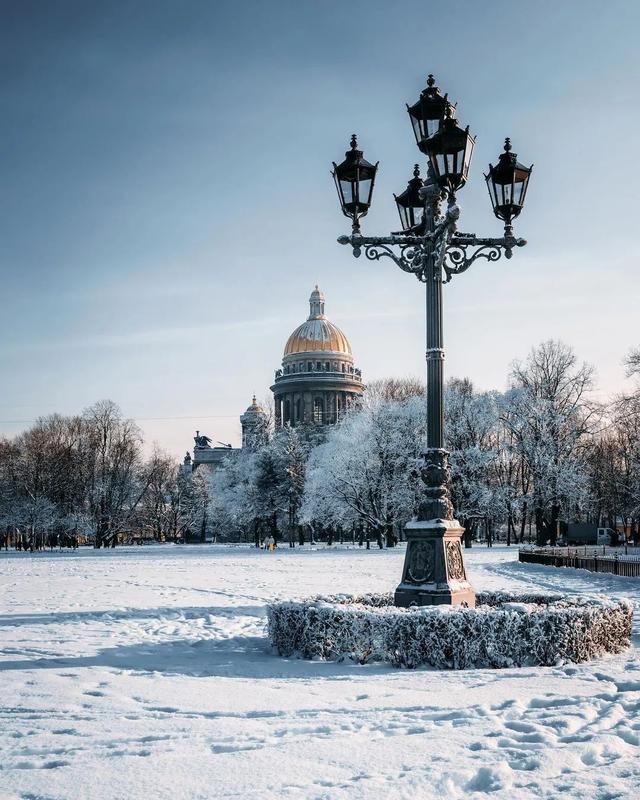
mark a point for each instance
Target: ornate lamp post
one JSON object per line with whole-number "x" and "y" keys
{"x": 431, "y": 248}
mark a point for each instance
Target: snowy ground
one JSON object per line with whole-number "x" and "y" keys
{"x": 143, "y": 673}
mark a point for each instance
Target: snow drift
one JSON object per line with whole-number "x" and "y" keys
{"x": 504, "y": 630}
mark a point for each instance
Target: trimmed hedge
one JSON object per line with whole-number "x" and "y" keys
{"x": 504, "y": 630}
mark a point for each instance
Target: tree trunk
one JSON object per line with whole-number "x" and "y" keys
{"x": 541, "y": 532}
{"x": 523, "y": 522}
{"x": 390, "y": 535}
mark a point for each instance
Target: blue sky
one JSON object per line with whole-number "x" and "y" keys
{"x": 166, "y": 205}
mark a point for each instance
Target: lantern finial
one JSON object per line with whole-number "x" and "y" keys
{"x": 507, "y": 145}
{"x": 354, "y": 141}
{"x": 416, "y": 170}
{"x": 431, "y": 80}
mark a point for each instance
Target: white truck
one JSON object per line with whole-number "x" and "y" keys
{"x": 586, "y": 533}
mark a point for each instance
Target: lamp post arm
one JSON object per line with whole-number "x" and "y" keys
{"x": 412, "y": 247}
{"x": 465, "y": 248}
{"x": 454, "y": 251}
{"x": 409, "y": 249}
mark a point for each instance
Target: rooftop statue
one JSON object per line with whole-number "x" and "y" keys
{"x": 202, "y": 442}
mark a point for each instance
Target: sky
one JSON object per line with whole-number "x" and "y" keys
{"x": 166, "y": 204}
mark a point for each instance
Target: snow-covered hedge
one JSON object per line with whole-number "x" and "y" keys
{"x": 504, "y": 630}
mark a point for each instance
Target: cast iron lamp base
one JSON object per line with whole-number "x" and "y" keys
{"x": 434, "y": 571}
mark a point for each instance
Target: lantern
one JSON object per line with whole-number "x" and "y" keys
{"x": 507, "y": 183}
{"x": 450, "y": 151}
{"x": 354, "y": 179}
{"x": 428, "y": 113}
{"x": 410, "y": 204}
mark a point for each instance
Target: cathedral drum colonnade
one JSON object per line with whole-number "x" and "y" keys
{"x": 318, "y": 381}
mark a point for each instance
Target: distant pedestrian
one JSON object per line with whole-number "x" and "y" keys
{"x": 271, "y": 542}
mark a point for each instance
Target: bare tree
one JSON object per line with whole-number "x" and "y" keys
{"x": 398, "y": 389}
{"x": 115, "y": 444}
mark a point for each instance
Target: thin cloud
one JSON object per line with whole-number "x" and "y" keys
{"x": 152, "y": 337}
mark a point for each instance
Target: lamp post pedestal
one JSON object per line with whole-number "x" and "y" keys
{"x": 434, "y": 571}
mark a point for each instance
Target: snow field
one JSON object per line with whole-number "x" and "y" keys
{"x": 144, "y": 673}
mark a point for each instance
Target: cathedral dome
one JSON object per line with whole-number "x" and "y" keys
{"x": 318, "y": 381}
{"x": 317, "y": 334}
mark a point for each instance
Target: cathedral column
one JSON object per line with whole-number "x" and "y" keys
{"x": 308, "y": 406}
{"x": 278, "y": 412}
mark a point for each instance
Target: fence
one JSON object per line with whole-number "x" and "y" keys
{"x": 594, "y": 559}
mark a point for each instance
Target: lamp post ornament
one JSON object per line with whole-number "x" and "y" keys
{"x": 431, "y": 247}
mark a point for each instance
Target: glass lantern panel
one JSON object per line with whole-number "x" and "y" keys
{"x": 433, "y": 126}
{"x": 492, "y": 192}
{"x": 518, "y": 191}
{"x": 508, "y": 193}
{"x": 364, "y": 191}
{"x": 417, "y": 128}
{"x": 346, "y": 187}
{"x": 468, "y": 153}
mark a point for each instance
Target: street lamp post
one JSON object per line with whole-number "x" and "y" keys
{"x": 431, "y": 247}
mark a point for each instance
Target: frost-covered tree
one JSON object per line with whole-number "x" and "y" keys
{"x": 550, "y": 418}
{"x": 234, "y": 501}
{"x": 292, "y": 452}
{"x": 472, "y": 423}
{"x": 195, "y": 511}
{"x": 615, "y": 459}
{"x": 366, "y": 472}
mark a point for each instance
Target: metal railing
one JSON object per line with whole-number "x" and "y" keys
{"x": 594, "y": 559}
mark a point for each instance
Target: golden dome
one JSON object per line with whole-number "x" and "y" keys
{"x": 317, "y": 334}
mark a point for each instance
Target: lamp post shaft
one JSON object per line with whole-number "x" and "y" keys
{"x": 433, "y": 571}
{"x": 434, "y": 339}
